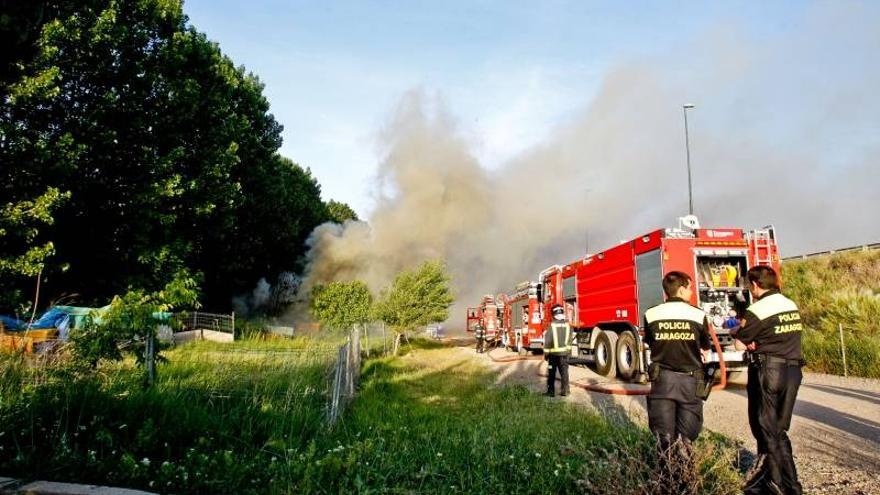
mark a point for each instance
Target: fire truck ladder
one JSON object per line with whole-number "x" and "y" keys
{"x": 763, "y": 240}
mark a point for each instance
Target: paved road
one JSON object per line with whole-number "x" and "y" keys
{"x": 835, "y": 431}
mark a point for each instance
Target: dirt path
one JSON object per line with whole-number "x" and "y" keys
{"x": 835, "y": 431}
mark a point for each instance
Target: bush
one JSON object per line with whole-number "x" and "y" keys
{"x": 130, "y": 320}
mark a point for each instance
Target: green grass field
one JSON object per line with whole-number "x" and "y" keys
{"x": 249, "y": 418}
{"x": 839, "y": 289}
{"x": 221, "y": 418}
{"x": 428, "y": 424}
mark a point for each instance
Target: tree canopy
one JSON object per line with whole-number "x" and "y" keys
{"x": 340, "y": 305}
{"x": 416, "y": 297}
{"x": 20, "y": 257}
{"x": 340, "y": 212}
{"x": 164, "y": 151}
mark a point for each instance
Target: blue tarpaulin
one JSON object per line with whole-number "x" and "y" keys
{"x": 60, "y": 317}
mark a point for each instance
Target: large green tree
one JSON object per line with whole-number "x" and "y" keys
{"x": 416, "y": 297}
{"x": 168, "y": 150}
{"x": 341, "y": 305}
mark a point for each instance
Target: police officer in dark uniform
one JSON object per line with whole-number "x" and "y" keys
{"x": 676, "y": 332}
{"x": 772, "y": 327}
{"x": 556, "y": 351}
{"x": 480, "y": 334}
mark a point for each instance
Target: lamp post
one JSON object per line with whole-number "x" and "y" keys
{"x": 687, "y": 147}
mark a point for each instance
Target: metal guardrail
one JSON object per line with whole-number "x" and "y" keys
{"x": 197, "y": 320}
{"x": 863, "y": 247}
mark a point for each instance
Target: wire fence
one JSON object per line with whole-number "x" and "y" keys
{"x": 321, "y": 368}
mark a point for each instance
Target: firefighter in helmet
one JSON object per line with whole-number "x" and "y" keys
{"x": 557, "y": 350}
{"x": 480, "y": 334}
{"x": 772, "y": 329}
{"x": 676, "y": 332}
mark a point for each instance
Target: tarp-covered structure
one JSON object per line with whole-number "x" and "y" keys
{"x": 53, "y": 325}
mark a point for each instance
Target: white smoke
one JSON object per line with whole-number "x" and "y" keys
{"x": 268, "y": 298}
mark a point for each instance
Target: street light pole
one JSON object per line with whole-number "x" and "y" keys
{"x": 687, "y": 147}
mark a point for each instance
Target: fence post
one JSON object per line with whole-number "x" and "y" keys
{"x": 349, "y": 364}
{"x": 233, "y": 325}
{"x": 367, "y": 337}
{"x": 842, "y": 347}
{"x": 150, "y": 358}
{"x": 384, "y": 343}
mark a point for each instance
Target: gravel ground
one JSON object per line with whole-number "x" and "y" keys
{"x": 835, "y": 431}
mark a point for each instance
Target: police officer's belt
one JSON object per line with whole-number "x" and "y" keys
{"x": 767, "y": 359}
{"x": 695, "y": 373}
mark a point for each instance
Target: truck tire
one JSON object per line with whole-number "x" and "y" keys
{"x": 605, "y": 352}
{"x": 627, "y": 356}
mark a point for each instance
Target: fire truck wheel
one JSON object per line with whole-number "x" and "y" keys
{"x": 627, "y": 355}
{"x": 606, "y": 345}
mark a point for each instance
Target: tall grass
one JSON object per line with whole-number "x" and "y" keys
{"x": 424, "y": 424}
{"x": 220, "y": 419}
{"x": 839, "y": 289}
{"x": 249, "y": 418}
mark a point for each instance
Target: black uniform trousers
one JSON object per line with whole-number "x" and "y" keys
{"x": 674, "y": 410}
{"x": 481, "y": 344}
{"x": 557, "y": 362}
{"x": 772, "y": 391}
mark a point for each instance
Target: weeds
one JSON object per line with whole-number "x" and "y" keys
{"x": 841, "y": 289}
{"x": 220, "y": 419}
{"x": 248, "y": 418}
{"x": 423, "y": 425}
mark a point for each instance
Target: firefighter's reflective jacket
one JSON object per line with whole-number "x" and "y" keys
{"x": 557, "y": 338}
{"x": 479, "y": 331}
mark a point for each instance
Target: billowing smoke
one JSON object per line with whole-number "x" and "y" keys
{"x": 777, "y": 138}
{"x": 267, "y": 298}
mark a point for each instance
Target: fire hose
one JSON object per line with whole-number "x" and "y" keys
{"x": 595, "y": 387}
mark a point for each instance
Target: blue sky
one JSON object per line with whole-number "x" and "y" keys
{"x": 510, "y": 72}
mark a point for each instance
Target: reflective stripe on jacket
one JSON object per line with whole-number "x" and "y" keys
{"x": 557, "y": 338}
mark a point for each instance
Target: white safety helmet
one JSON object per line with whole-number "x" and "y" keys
{"x": 558, "y": 313}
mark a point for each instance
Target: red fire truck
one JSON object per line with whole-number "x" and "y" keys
{"x": 523, "y": 319}
{"x": 606, "y": 293}
{"x": 489, "y": 314}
